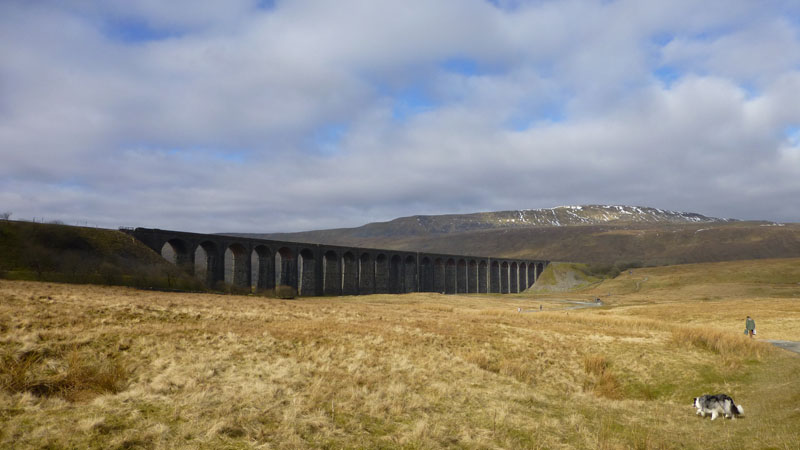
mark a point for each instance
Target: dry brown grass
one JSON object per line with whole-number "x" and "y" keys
{"x": 718, "y": 296}
{"x": 721, "y": 342}
{"x": 601, "y": 380}
{"x": 73, "y": 376}
{"x": 383, "y": 371}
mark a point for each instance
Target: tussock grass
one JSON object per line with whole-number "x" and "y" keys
{"x": 595, "y": 364}
{"x": 74, "y": 376}
{"x": 601, "y": 380}
{"x": 721, "y": 342}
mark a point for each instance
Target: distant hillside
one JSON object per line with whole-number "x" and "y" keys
{"x": 586, "y": 234}
{"x": 457, "y": 223}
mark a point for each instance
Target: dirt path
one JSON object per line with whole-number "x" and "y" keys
{"x": 792, "y": 346}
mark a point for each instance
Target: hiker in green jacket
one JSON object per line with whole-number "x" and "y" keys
{"x": 750, "y": 327}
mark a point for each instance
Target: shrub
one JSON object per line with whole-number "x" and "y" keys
{"x": 629, "y": 265}
{"x": 238, "y": 290}
{"x": 61, "y": 237}
{"x": 110, "y": 273}
{"x": 285, "y": 292}
{"x": 40, "y": 260}
{"x": 601, "y": 270}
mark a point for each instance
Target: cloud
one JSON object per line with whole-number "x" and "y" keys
{"x": 271, "y": 116}
{"x": 754, "y": 54}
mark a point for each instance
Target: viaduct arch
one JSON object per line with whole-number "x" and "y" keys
{"x": 316, "y": 269}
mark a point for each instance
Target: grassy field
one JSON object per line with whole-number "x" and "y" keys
{"x": 113, "y": 367}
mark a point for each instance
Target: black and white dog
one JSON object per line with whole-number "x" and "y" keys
{"x": 716, "y": 405}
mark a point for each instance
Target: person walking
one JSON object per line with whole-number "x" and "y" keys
{"x": 750, "y": 327}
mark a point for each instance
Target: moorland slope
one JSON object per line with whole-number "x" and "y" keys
{"x": 619, "y": 235}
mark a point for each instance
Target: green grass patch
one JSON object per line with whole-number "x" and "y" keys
{"x": 649, "y": 391}
{"x": 566, "y": 277}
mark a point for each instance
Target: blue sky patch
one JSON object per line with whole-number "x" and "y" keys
{"x": 328, "y": 138}
{"x": 228, "y": 156}
{"x": 792, "y": 133}
{"x": 712, "y": 34}
{"x": 506, "y": 5}
{"x": 266, "y": 4}
{"x": 130, "y": 30}
{"x": 469, "y": 67}
{"x": 750, "y": 89}
{"x": 72, "y": 184}
{"x": 410, "y": 102}
{"x": 208, "y": 155}
{"x": 667, "y": 75}
{"x": 524, "y": 119}
{"x": 462, "y": 66}
{"x": 662, "y": 39}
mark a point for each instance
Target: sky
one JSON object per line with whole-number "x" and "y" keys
{"x": 291, "y": 115}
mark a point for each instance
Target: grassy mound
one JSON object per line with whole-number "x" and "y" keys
{"x": 54, "y": 252}
{"x": 564, "y": 277}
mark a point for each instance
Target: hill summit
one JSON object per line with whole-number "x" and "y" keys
{"x": 549, "y": 217}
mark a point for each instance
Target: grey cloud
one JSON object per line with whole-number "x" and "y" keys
{"x": 140, "y": 135}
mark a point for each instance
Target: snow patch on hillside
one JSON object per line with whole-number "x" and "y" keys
{"x": 599, "y": 214}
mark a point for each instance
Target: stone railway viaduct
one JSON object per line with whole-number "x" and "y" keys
{"x": 316, "y": 269}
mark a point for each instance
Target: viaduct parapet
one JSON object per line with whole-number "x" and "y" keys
{"x": 317, "y": 269}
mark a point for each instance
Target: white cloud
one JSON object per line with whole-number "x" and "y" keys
{"x": 208, "y": 116}
{"x": 756, "y": 53}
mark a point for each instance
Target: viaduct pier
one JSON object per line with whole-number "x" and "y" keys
{"x": 317, "y": 269}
